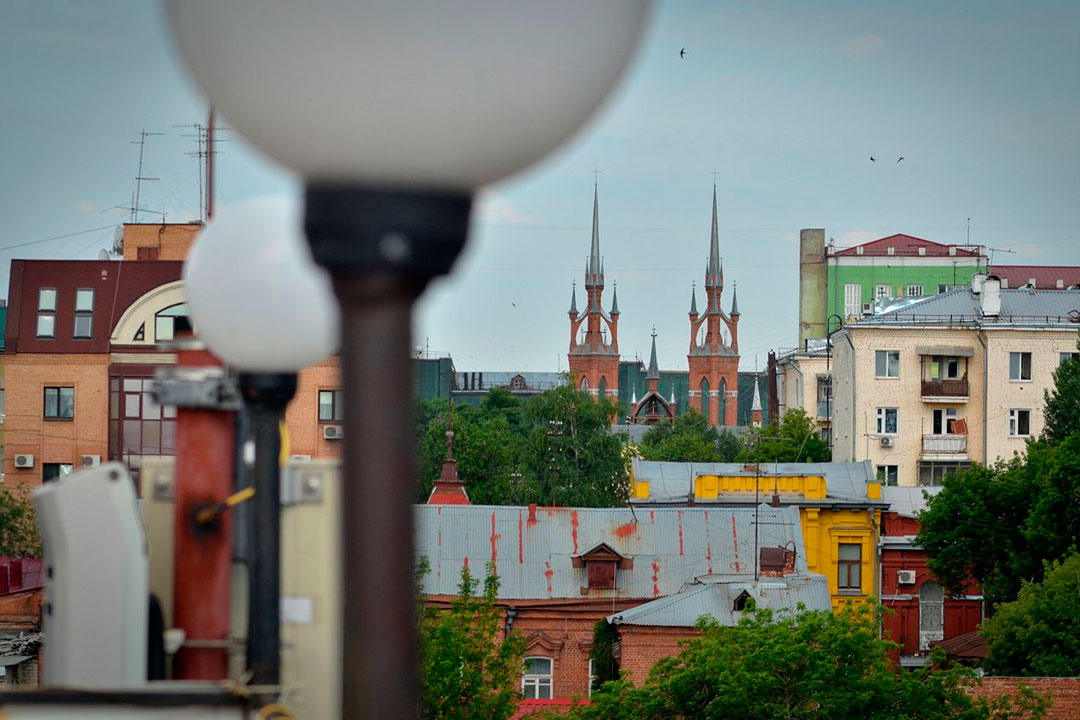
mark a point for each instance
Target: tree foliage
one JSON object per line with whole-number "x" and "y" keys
{"x": 1061, "y": 406}
{"x": 794, "y": 439}
{"x": 602, "y": 653}
{"x": 19, "y": 535}
{"x": 468, "y": 668}
{"x": 555, "y": 448}
{"x": 689, "y": 439}
{"x": 816, "y": 665}
{"x": 1039, "y": 633}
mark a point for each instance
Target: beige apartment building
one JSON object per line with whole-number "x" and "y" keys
{"x": 928, "y": 386}
{"x": 802, "y": 381}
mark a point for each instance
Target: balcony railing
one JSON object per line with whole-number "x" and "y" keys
{"x": 944, "y": 444}
{"x": 945, "y": 388}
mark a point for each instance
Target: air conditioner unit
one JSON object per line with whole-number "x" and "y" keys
{"x": 90, "y": 460}
{"x": 300, "y": 457}
{"x": 868, "y": 308}
{"x": 24, "y": 461}
{"x": 885, "y": 441}
{"x": 905, "y": 577}
{"x": 332, "y": 432}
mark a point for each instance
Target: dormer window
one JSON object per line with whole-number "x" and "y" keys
{"x": 740, "y": 602}
{"x": 601, "y": 564}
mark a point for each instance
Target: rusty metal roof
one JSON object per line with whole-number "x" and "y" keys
{"x": 715, "y": 596}
{"x": 533, "y": 551}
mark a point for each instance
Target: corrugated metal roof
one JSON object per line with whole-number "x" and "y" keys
{"x": 907, "y": 501}
{"x": 1046, "y": 277}
{"x": 534, "y": 557}
{"x": 673, "y": 481}
{"x": 1029, "y": 307}
{"x": 715, "y": 596}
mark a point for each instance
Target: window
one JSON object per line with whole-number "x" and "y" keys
{"x": 59, "y": 403}
{"x": 888, "y": 475}
{"x": 882, "y": 291}
{"x": 849, "y": 561}
{"x": 932, "y": 473}
{"x": 886, "y": 421}
{"x": 853, "y": 300}
{"x": 1019, "y": 423}
{"x": 592, "y": 676}
{"x": 46, "y": 319}
{"x": 943, "y": 367}
{"x": 84, "y": 312}
{"x": 1020, "y": 366}
{"x": 824, "y": 396}
{"x": 51, "y": 471}
{"x": 584, "y": 384}
{"x": 931, "y": 614}
{"x": 536, "y": 682}
{"x": 914, "y": 290}
{"x": 330, "y": 407}
{"x": 138, "y": 426}
{"x": 171, "y": 322}
{"x": 146, "y": 253}
{"x": 943, "y": 420}
{"x": 887, "y": 363}
{"x": 1066, "y": 357}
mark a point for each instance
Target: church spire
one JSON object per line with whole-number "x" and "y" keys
{"x": 654, "y": 370}
{"x": 693, "y": 300}
{"x": 594, "y": 256}
{"x": 615, "y": 299}
{"x": 573, "y": 299}
{"x": 714, "y": 271}
{"x": 734, "y": 302}
{"x": 756, "y": 405}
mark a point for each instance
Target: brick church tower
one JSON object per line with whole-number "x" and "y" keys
{"x": 594, "y": 333}
{"x": 714, "y": 344}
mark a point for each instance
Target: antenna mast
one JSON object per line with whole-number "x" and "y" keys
{"x": 141, "y": 142}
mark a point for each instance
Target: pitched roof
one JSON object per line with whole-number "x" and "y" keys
{"x": 907, "y": 501}
{"x": 969, "y": 646}
{"x": 534, "y": 549}
{"x": 906, "y": 245}
{"x": 715, "y": 596}
{"x": 1046, "y": 277}
{"x": 672, "y": 482}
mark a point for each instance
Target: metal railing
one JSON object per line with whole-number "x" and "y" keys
{"x": 945, "y": 388}
{"x": 944, "y": 444}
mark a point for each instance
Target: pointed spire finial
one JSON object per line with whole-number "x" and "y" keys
{"x": 594, "y": 255}
{"x": 714, "y": 271}
{"x": 756, "y": 406}
{"x": 693, "y": 299}
{"x": 654, "y": 369}
{"x": 615, "y": 298}
{"x": 573, "y": 299}
{"x": 735, "y": 300}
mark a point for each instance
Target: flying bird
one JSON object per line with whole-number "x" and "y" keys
{"x": 901, "y": 158}
{"x": 872, "y": 159}
{"x": 682, "y": 53}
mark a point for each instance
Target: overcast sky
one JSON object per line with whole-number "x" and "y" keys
{"x": 786, "y": 101}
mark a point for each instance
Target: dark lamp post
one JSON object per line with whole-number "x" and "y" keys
{"x": 395, "y": 114}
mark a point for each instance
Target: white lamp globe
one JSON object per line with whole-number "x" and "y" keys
{"x": 409, "y": 93}
{"x": 256, "y": 298}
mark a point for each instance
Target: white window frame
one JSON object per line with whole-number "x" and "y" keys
{"x": 914, "y": 291}
{"x": 882, "y": 421}
{"x": 85, "y": 312}
{"x": 888, "y": 472}
{"x": 946, "y": 414}
{"x": 1019, "y": 375}
{"x": 1014, "y": 422}
{"x": 592, "y": 677}
{"x": 538, "y": 682}
{"x": 882, "y": 291}
{"x": 46, "y": 317}
{"x": 852, "y": 300}
{"x": 890, "y": 355}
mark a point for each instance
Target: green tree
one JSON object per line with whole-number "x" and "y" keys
{"x": 689, "y": 439}
{"x": 1039, "y": 633}
{"x": 794, "y": 439}
{"x": 468, "y": 668}
{"x": 816, "y": 665}
{"x": 602, "y": 653}
{"x": 1061, "y": 406}
{"x": 19, "y": 535}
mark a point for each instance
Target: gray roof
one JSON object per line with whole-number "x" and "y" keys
{"x": 734, "y": 301}
{"x": 1018, "y": 306}
{"x": 670, "y": 547}
{"x": 533, "y": 380}
{"x": 907, "y": 501}
{"x": 715, "y": 596}
{"x": 634, "y": 433}
{"x": 693, "y": 300}
{"x": 573, "y": 299}
{"x": 672, "y": 482}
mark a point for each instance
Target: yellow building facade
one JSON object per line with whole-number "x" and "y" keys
{"x": 839, "y": 505}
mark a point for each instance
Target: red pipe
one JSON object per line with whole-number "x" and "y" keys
{"x": 202, "y": 560}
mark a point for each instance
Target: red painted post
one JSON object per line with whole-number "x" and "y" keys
{"x": 202, "y": 561}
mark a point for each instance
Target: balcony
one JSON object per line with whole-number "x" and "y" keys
{"x": 945, "y": 390}
{"x": 944, "y": 446}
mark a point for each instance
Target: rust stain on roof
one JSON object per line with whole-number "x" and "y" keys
{"x": 625, "y": 530}
{"x": 573, "y": 528}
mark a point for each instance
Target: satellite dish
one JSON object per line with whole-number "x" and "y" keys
{"x": 103, "y": 255}
{"x": 118, "y": 240}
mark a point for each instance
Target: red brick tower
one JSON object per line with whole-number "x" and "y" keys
{"x": 714, "y": 357}
{"x": 594, "y": 356}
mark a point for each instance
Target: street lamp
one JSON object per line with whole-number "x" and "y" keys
{"x": 265, "y": 309}
{"x": 395, "y": 114}
{"x": 828, "y": 374}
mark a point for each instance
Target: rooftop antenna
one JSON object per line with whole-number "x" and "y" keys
{"x": 141, "y": 142}
{"x": 206, "y": 148}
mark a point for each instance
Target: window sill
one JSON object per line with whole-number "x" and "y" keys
{"x": 886, "y": 377}
{"x": 849, "y": 593}
{"x": 58, "y": 419}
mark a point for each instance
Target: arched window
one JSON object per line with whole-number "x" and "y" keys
{"x": 584, "y": 384}
{"x": 603, "y": 386}
{"x": 705, "y": 397}
{"x": 171, "y": 321}
{"x": 931, "y": 614}
{"x": 721, "y": 401}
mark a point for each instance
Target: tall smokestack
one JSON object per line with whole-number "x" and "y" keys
{"x": 811, "y": 284}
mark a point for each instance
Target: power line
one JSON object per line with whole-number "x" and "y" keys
{"x": 55, "y": 237}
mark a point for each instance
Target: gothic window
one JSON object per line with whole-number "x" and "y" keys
{"x": 603, "y": 386}
{"x": 584, "y": 384}
{"x": 705, "y": 397}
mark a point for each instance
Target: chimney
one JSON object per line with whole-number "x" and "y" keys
{"x": 990, "y": 298}
{"x": 977, "y": 281}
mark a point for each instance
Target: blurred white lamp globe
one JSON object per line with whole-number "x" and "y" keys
{"x": 257, "y": 299}
{"x": 410, "y": 93}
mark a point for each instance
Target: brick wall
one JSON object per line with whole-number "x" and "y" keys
{"x": 1065, "y": 692}
{"x": 302, "y": 415}
{"x": 159, "y": 241}
{"x": 640, "y": 647}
